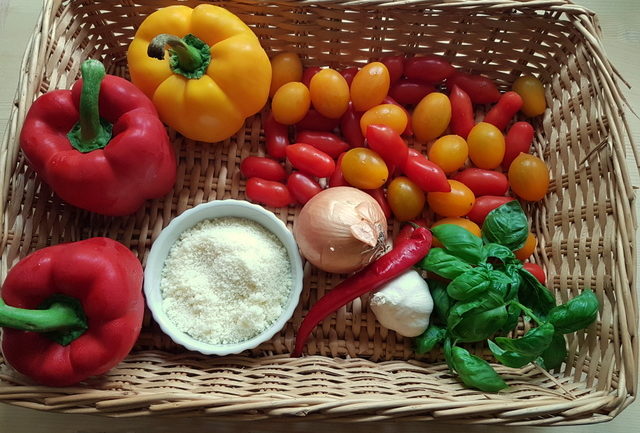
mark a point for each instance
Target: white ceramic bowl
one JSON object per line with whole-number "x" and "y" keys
{"x": 168, "y": 236}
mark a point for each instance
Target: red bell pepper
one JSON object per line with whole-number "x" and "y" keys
{"x": 100, "y": 146}
{"x": 71, "y": 311}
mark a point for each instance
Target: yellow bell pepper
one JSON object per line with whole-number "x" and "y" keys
{"x": 214, "y": 75}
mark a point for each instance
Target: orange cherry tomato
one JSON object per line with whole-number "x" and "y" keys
{"x": 431, "y": 116}
{"x": 290, "y": 103}
{"x": 405, "y": 198}
{"x": 531, "y": 91}
{"x": 528, "y": 248}
{"x": 529, "y": 177}
{"x": 370, "y": 86}
{"x": 466, "y": 224}
{"x": 329, "y": 93}
{"x": 385, "y": 114}
{"x": 285, "y": 68}
{"x": 364, "y": 168}
{"x": 486, "y": 146}
{"x": 450, "y": 152}
{"x": 456, "y": 203}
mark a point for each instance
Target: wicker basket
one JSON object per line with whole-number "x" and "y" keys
{"x": 356, "y": 370}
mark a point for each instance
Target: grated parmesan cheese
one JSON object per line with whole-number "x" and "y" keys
{"x": 225, "y": 280}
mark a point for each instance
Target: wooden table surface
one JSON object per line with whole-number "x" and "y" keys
{"x": 620, "y": 21}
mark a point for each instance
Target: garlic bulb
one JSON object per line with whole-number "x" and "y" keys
{"x": 404, "y": 304}
{"x": 341, "y": 230}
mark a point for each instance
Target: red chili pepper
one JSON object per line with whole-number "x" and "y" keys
{"x": 481, "y": 90}
{"x": 518, "y": 139}
{"x": 350, "y": 127}
{"x": 379, "y": 196}
{"x": 424, "y": 173}
{"x": 327, "y": 142}
{"x": 429, "y": 69}
{"x": 387, "y": 143}
{"x": 408, "y": 131}
{"x": 268, "y": 192}
{"x": 308, "y": 74}
{"x": 302, "y": 187}
{"x": 410, "y": 92}
{"x": 337, "y": 178}
{"x": 266, "y": 168}
{"x": 402, "y": 257}
{"x": 276, "y": 137}
{"x": 100, "y": 146}
{"x": 395, "y": 66}
{"x": 501, "y": 114}
{"x": 317, "y": 122}
{"x": 349, "y": 73}
{"x": 462, "y": 116}
{"x": 72, "y": 310}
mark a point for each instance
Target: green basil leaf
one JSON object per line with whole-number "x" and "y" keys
{"x": 506, "y": 225}
{"x": 576, "y": 314}
{"x": 534, "y": 295}
{"x": 426, "y": 341}
{"x": 475, "y": 372}
{"x": 513, "y": 315}
{"x": 513, "y": 272}
{"x": 444, "y": 264}
{"x": 469, "y": 285}
{"x": 458, "y": 310}
{"x": 442, "y": 302}
{"x": 554, "y": 355}
{"x": 478, "y": 324}
{"x": 459, "y": 242}
{"x": 508, "y": 358}
{"x": 533, "y": 343}
{"x": 446, "y": 349}
{"x": 500, "y": 252}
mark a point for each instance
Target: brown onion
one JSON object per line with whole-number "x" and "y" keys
{"x": 341, "y": 230}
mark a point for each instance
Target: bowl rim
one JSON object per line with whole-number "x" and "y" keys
{"x": 157, "y": 256}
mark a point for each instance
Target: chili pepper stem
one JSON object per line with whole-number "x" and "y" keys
{"x": 190, "y": 56}
{"x": 58, "y": 317}
{"x": 91, "y": 132}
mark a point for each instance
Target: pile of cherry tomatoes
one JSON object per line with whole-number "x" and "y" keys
{"x": 350, "y": 128}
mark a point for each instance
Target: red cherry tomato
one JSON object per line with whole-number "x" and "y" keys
{"x": 481, "y": 90}
{"x": 327, "y": 142}
{"x": 406, "y": 199}
{"x": 268, "y": 192}
{"x": 389, "y": 145}
{"x": 276, "y": 137}
{"x": 410, "y": 92}
{"x": 265, "y": 168}
{"x": 350, "y": 127}
{"x": 302, "y": 187}
{"x": 337, "y": 178}
{"x": 537, "y": 271}
{"x": 348, "y": 74}
{"x": 462, "y": 115}
{"x": 424, "y": 173}
{"x": 429, "y": 69}
{"x": 518, "y": 139}
{"x": 484, "y": 205}
{"x": 308, "y": 74}
{"x": 378, "y": 195}
{"x": 407, "y": 229}
{"x": 505, "y": 109}
{"x": 317, "y": 122}
{"x": 483, "y": 182}
{"x": 395, "y": 66}
{"x": 308, "y": 159}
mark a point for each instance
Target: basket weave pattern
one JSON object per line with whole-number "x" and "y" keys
{"x": 357, "y": 370}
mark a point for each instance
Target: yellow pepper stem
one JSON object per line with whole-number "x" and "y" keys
{"x": 189, "y": 56}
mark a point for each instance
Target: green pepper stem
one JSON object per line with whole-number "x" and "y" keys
{"x": 188, "y": 57}
{"x": 59, "y": 316}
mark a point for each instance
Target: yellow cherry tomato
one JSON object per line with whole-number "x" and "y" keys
{"x": 466, "y": 224}
{"x": 431, "y": 116}
{"x": 370, "y": 86}
{"x": 529, "y": 177}
{"x": 450, "y": 152}
{"x": 290, "y": 103}
{"x": 531, "y": 91}
{"x": 528, "y": 248}
{"x": 486, "y": 146}
{"x": 385, "y": 114}
{"x": 329, "y": 93}
{"x": 364, "y": 168}
{"x": 456, "y": 203}
{"x": 285, "y": 68}
{"x": 405, "y": 198}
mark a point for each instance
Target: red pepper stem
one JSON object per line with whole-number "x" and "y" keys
{"x": 58, "y": 317}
